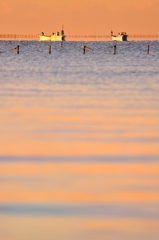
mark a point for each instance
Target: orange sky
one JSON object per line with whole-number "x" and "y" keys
{"x": 79, "y": 17}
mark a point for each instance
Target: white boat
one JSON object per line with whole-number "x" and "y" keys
{"x": 122, "y": 36}
{"x": 54, "y": 37}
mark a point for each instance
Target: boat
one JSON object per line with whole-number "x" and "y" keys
{"x": 122, "y": 36}
{"x": 54, "y": 37}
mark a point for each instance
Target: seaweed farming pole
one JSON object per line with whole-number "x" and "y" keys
{"x": 131, "y": 36}
{"x": 18, "y": 37}
{"x": 148, "y": 49}
{"x": 75, "y": 37}
{"x": 87, "y": 36}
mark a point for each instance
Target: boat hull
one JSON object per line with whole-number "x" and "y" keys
{"x": 44, "y": 38}
{"x": 120, "y": 38}
{"x": 51, "y": 38}
{"x": 57, "y": 38}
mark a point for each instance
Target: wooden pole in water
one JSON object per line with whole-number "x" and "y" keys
{"x": 17, "y": 49}
{"x": 114, "y": 49}
{"x": 148, "y": 49}
{"x": 49, "y": 49}
{"x": 84, "y": 49}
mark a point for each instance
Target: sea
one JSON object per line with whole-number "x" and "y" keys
{"x": 79, "y": 140}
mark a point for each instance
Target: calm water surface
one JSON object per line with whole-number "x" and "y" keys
{"x": 79, "y": 141}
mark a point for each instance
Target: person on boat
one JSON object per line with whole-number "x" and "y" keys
{"x": 84, "y": 48}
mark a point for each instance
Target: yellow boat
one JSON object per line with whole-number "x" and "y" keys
{"x": 122, "y": 36}
{"x": 54, "y": 37}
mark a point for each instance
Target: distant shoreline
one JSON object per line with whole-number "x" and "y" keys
{"x": 79, "y": 37}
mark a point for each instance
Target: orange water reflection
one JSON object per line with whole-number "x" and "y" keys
{"x": 79, "y": 183}
{"x": 52, "y": 130}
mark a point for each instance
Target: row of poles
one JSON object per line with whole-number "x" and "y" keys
{"x": 84, "y": 48}
{"x": 148, "y": 49}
